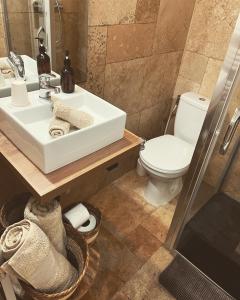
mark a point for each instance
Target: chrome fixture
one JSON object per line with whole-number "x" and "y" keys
{"x": 230, "y": 131}
{"x": 37, "y": 6}
{"x": 172, "y": 113}
{"x": 17, "y": 64}
{"x": 46, "y": 88}
{"x": 40, "y": 30}
{"x": 142, "y": 146}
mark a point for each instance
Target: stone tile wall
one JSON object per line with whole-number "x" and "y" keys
{"x": 134, "y": 53}
{"x": 208, "y": 38}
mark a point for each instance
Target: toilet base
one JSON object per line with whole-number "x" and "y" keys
{"x": 159, "y": 192}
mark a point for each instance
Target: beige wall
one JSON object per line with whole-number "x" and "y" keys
{"x": 135, "y": 50}
{"x": 2, "y": 34}
{"x": 210, "y": 30}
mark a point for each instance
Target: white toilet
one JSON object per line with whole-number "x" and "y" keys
{"x": 167, "y": 158}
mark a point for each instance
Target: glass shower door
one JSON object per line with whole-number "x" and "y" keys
{"x": 206, "y": 225}
{"x": 211, "y": 237}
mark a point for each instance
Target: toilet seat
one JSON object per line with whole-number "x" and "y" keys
{"x": 167, "y": 154}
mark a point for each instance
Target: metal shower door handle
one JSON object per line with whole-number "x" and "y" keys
{"x": 232, "y": 127}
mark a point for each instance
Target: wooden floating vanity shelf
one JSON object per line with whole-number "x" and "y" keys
{"x": 61, "y": 181}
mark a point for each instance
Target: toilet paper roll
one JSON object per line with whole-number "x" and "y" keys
{"x": 89, "y": 226}
{"x": 78, "y": 215}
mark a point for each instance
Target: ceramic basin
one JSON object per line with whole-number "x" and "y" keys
{"x": 31, "y": 76}
{"x": 28, "y": 129}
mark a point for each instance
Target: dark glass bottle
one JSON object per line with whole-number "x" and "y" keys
{"x": 67, "y": 76}
{"x": 43, "y": 60}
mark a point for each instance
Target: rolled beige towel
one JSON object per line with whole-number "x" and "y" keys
{"x": 32, "y": 257}
{"x": 6, "y": 70}
{"x": 75, "y": 117}
{"x": 49, "y": 218}
{"x": 58, "y": 127}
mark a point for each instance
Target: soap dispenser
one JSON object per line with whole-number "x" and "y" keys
{"x": 43, "y": 60}
{"x": 67, "y": 76}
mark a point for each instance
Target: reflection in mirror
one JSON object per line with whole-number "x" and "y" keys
{"x": 63, "y": 24}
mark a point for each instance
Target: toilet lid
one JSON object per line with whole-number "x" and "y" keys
{"x": 167, "y": 154}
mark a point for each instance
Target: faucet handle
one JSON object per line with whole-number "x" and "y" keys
{"x": 44, "y": 81}
{"x": 45, "y": 94}
{"x": 57, "y": 89}
{"x": 46, "y": 87}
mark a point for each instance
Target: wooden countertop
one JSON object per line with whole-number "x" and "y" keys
{"x": 48, "y": 186}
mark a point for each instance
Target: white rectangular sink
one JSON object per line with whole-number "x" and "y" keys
{"x": 31, "y": 73}
{"x": 28, "y": 129}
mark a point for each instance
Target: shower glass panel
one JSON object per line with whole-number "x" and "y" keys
{"x": 210, "y": 239}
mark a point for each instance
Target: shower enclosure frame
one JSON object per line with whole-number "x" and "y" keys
{"x": 228, "y": 79}
{"x": 7, "y": 38}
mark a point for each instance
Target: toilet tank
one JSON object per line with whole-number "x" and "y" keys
{"x": 191, "y": 112}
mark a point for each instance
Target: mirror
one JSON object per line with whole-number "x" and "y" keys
{"x": 63, "y": 24}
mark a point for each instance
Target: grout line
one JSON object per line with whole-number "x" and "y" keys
{"x": 142, "y": 57}
{"x": 207, "y": 56}
{"x": 104, "y": 81}
{"x": 122, "y": 24}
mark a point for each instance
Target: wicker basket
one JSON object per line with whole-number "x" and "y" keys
{"x": 91, "y": 236}
{"x": 12, "y": 211}
{"x": 78, "y": 255}
{"x": 91, "y": 273}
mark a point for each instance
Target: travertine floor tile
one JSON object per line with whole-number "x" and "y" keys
{"x": 146, "y": 279}
{"x": 116, "y": 257}
{"x": 106, "y": 284}
{"x": 159, "y": 293}
{"x": 159, "y": 221}
{"x": 119, "y": 209}
{"x": 130, "y": 242}
{"x": 142, "y": 243}
{"x": 133, "y": 185}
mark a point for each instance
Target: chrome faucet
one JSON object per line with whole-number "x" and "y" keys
{"x": 46, "y": 88}
{"x": 17, "y": 64}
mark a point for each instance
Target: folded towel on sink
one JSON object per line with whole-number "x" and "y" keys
{"x": 49, "y": 218}
{"x": 6, "y": 70}
{"x": 30, "y": 256}
{"x": 75, "y": 117}
{"x": 58, "y": 127}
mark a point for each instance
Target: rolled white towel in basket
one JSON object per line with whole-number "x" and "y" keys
{"x": 31, "y": 257}
{"x": 49, "y": 218}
